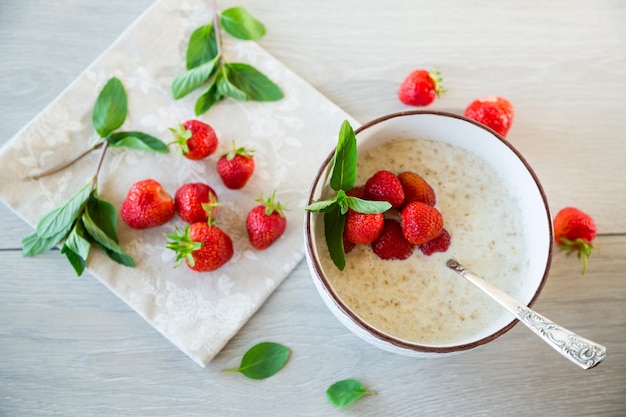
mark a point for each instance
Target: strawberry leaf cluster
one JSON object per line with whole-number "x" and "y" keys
{"x": 207, "y": 68}
{"x": 335, "y": 209}
{"x": 85, "y": 220}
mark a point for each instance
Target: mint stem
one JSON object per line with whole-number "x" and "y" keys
{"x": 216, "y": 28}
{"x": 102, "y": 153}
{"x": 66, "y": 163}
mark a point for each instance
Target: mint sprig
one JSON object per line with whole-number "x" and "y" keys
{"x": 207, "y": 68}
{"x": 343, "y": 177}
{"x": 85, "y": 220}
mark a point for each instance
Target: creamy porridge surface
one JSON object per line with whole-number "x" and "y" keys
{"x": 419, "y": 299}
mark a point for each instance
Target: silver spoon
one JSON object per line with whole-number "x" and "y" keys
{"x": 583, "y": 352}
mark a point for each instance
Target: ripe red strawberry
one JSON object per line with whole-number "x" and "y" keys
{"x": 420, "y": 88}
{"x": 391, "y": 244}
{"x": 196, "y": 139}
{"x": 385, "y": 186}
{"x": 493, "y": 112}
{"x": 439, "y": 244}
{"x": 362, "y": 228}
{"x": 358, "y": 192}
{"x": 236, "y": 167}
{"x": 421, "y": 222}
{"x": 146, "y": 205}
{"x": 416, "y": 188}
{"x": 265, "y": 223}
{"x": 194, "y": 201}
{"x": 574, "y": 231}
{"x": 203, "y": 246}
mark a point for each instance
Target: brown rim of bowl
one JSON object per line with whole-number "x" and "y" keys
{"x": 384, "y": 336}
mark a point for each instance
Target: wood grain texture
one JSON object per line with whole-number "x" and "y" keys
{"x": 70, "y": 347}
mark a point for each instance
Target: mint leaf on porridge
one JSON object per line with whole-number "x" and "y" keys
{"x": 335, "y": 208}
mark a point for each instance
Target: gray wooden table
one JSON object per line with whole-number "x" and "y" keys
{"x": 70, "y": 347}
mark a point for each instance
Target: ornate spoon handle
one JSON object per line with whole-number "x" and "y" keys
{"x": 583, "y": 352}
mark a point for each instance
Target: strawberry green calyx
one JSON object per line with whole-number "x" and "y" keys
{"x": 272, "y": 206}
{"x": 181, "y": 136}
{"x": 248, "y": 153}
{"x": 182, "y": 244}
{"x": 437, "y": 79}
{"x": 581, "y": 247}
{"x": 208, "y": 207}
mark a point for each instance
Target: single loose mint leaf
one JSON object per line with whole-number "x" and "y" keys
{"x": 202, "y": 46}
{"x": 345, "y": 392}
{"x": 190, "y": 80}
{"x": 345, "y": 159}
{"x": 137, "y": 140}
{"x": 252, "y": 82}
{"x": 111, "y": 108}
{"x": 263, "y": 360}
{"x": 241, "y": 24}
{"x": 322, "y": 206}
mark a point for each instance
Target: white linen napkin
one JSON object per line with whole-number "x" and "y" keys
{"x": 197, "y": 312}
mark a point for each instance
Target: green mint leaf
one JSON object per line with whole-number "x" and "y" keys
{"x": 344, "y": 159}
{"x": 202, "y": 46}
{"x": 241, "y": 24}
{"x": 254, "y": 84}
{"x": 343, "y": 393}
{"x": 263, "y": 360}
{"x": 191, "y": 79}
{"x": 226, "y": 88}
{"x": 207, "y": 99}
{"x": 366, "y": 206}
{"x": 75, "y": 260}
{"x": 137, "y": 140}
{"x": 99, "y": 220}
{"x": 103, "y": 214}
{"x": 58, "y": 222}
{"x": 34, "y": 244}
{"x": 76, "y": 241}
{"x": 111, "y": 107}
{"x": 334, "y": 222}
{"x": 322, "y": 206}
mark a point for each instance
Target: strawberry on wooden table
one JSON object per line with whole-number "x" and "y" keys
{"x": 196, "y": 139}
{"x": 574, "y": 231}
{"x": 420, "y": 88}
{"x": 265, "y": 223}
{"x": 203, "y": 246}
{"x": 494, "y": 112}
{"x": 421, "y": 222}
{"x": 236, "y": 167}
{"x": 391, "y": 243}
{"x": 146, "y": 205}
{"x": 195, "y": 201}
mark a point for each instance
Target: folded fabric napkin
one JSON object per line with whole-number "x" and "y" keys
{"x": 197, "y": 312}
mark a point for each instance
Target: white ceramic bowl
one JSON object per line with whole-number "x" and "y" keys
{"x": 501, "y": 157}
